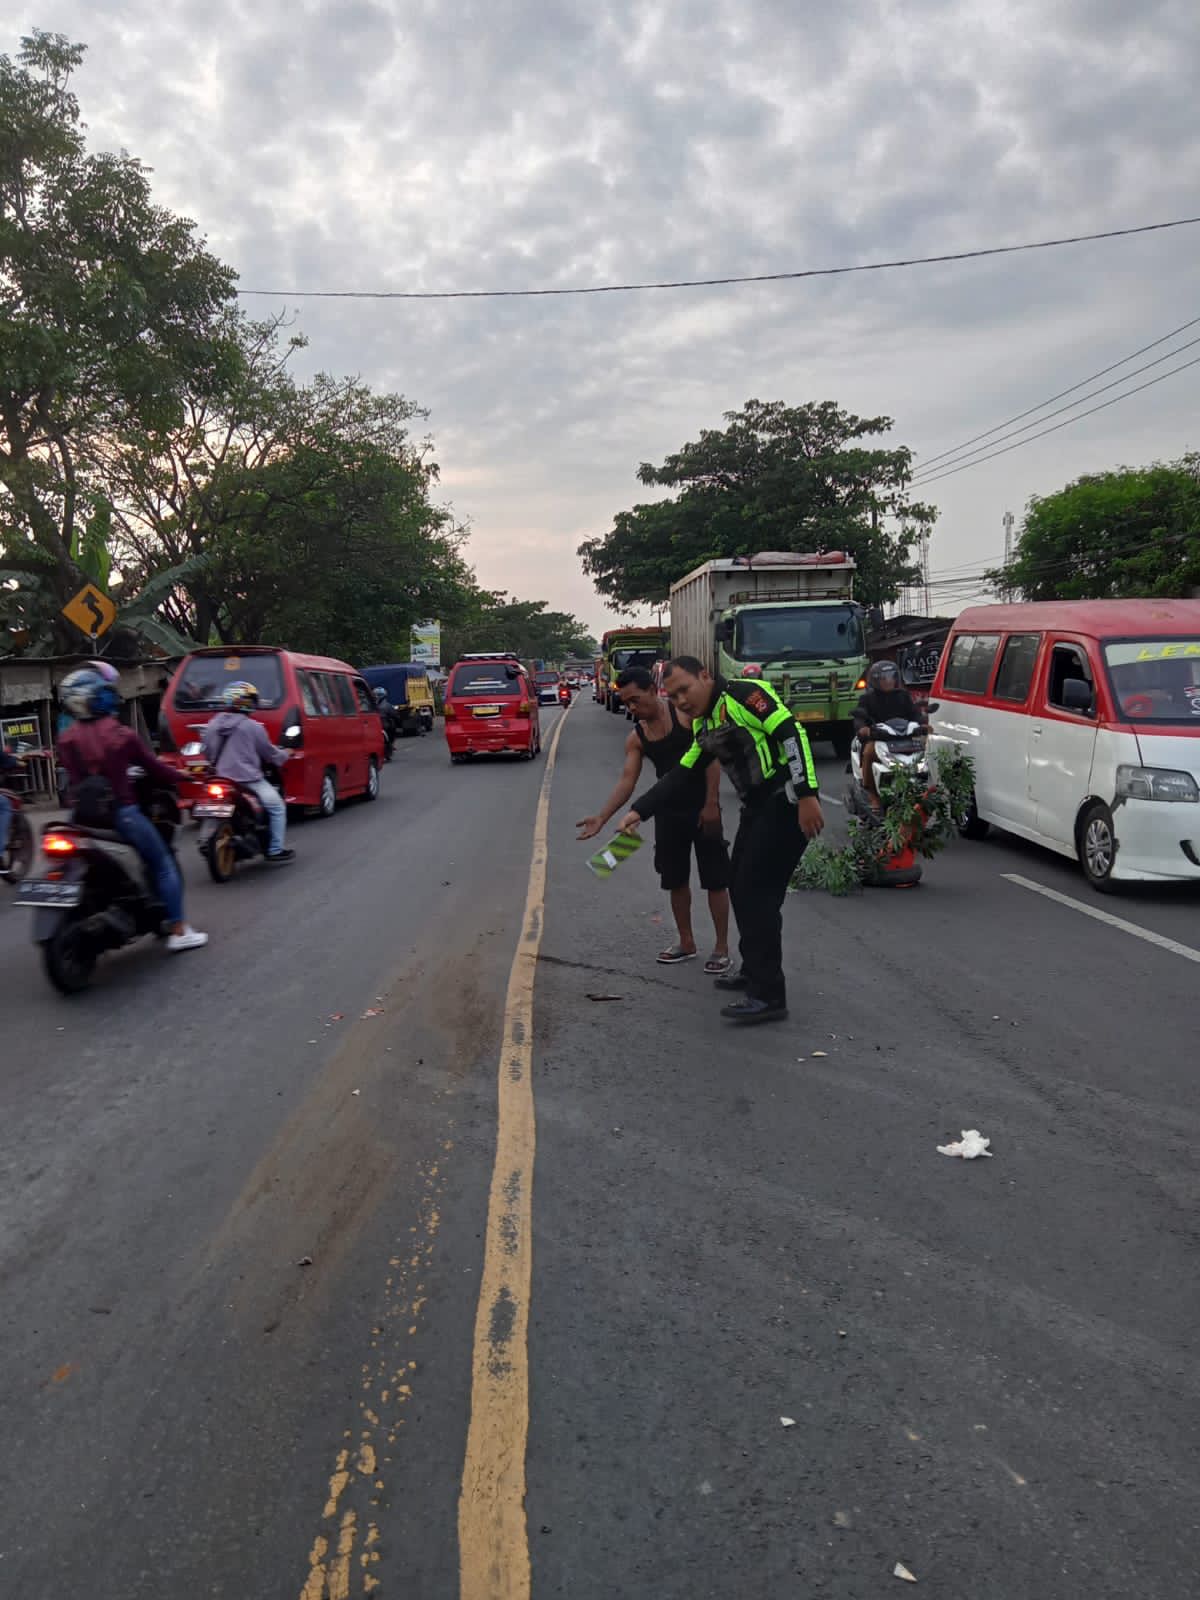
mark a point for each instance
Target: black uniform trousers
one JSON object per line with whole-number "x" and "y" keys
{"x": 766, "y": 851}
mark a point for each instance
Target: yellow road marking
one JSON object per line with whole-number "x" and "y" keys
{"x": 493, "y": 1539}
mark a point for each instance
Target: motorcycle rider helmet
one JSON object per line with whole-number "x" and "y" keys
{"x": 380, "y": 697}
{"x": 241, "y": 697}
{"x": 883, "y": 676}
{"x": 106, "y": 670}
{"x": 86, "y": 695}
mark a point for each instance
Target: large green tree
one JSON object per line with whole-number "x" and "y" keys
{"x": 1131, "y": 532}
{"x": 110, "y": 310}
{"x": 776, "y": 477}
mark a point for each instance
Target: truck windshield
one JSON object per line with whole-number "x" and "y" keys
{"x": 798, "y": 633}
{"x": 635, "y": 658}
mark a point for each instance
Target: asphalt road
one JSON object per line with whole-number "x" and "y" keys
{"x": 989, "y": 1366}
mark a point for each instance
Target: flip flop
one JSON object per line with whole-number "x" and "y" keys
{"x": 717, "y": 966}
{"x": 676, "y": 953}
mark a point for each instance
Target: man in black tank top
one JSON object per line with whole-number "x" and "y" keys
{"x": 693, "y": 825}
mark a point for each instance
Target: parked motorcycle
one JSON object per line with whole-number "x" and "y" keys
{"x": 16, "y": 858}
{"x": 93, "y": 894}
{"x": 900, "y": 748}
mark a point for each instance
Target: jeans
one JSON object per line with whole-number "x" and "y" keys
{"x": 768, "y": 846}
{"x": 5, "y": 821}
{"x": 136, "y": 829}
{"x": 273, "y": 804}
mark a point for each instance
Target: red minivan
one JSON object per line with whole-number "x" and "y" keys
{"x": 318, "y": 708}
{"x": 491, "y": 708}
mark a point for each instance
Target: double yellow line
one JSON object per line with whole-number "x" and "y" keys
{"x": 493, "y": 1538}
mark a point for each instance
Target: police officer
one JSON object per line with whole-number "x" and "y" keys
{"x": 747, "y": 728}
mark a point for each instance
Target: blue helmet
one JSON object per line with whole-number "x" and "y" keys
{"x": 87, "y": 695}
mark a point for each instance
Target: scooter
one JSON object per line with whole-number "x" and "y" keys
{"x": 94, "y": 894}
{"x": 16, "y": 858}
{"x": 900, "y": 748}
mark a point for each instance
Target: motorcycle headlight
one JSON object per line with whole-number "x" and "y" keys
{"x": 1156, "y": 783}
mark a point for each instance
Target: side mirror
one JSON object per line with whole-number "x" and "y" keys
{"x": 725, "y": 630}
{"x": 933, "y": 705}
{"x": 1077, "y": 696}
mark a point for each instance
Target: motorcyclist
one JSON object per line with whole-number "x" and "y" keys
{"x": 8, "y": 765}
{"x": 387, "y": 716}
{"x": 240, "y": 749}
{"x": 883, "y": 700}
{"x": 97, "y": 743}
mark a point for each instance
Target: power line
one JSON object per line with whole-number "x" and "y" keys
{"x": 712, "y": 283}
{"x": 1162, "y": 377}
{"x": 963, "y": 459}
{"x": 1021, "y": 415}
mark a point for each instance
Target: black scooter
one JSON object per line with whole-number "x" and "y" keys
{"x": 93, "y": 894}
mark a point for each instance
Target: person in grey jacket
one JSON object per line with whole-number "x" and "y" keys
{"x": 240, "y": 749}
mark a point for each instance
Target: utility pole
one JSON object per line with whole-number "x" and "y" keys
{"x": 1009, "y": 519}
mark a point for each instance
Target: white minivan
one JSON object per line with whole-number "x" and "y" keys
{"x": 1083, "y": 721}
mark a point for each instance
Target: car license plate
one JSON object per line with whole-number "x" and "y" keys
{"x": 487, "y": 711}
{"x": 809, "y": 716}
{"x": 206, "y": 810}
{"x": 41, "y": 892}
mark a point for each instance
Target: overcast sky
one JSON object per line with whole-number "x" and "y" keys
{"x": 428, "y": 144}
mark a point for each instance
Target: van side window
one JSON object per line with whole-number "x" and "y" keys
{"x": 1066, "y": 661}
{"x": 1016, "y": 667}
{"x": 344, "y": 701}
{"x": 363, "y": 695}
{"x": 970, "y": 665}
{"x": 323, "y": 690}
{"x": 308, "y": 694}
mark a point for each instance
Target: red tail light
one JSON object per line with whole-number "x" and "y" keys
{"x": 58, "y": 844}
{"x": 524, "y": 708}
{"x": 449, "y": 712}
{"x": 218, "y": 791}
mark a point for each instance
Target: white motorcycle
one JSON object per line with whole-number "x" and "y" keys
{"x": 900, "y": 747}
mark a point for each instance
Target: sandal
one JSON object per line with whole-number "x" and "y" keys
{"x": 676, "y": 953}
{"x": 718, "y": 966}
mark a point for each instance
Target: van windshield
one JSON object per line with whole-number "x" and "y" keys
{"x": 1155, "y": 680}
{"x": 204, "y": 680}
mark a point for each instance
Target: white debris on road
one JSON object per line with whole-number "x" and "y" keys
{"x": 971, "y": 1144}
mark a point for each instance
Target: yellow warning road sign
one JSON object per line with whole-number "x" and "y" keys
{"x": 91, "y": 611}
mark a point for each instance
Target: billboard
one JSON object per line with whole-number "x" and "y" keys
{"x": 427, "y": 643}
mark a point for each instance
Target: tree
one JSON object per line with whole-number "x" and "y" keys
{"x": 776, "y": 478}
{"x": 527, "y": 627}
{"x": 1110, "y": 535}
{"x": 109, "y": 310}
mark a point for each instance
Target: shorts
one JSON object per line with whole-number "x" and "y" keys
{"x": 675, "y": 837}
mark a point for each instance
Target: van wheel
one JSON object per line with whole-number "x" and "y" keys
{"x": 971, "y": 825}
{"x": 327, "y": 804}
{"x": 1097, "y": 846}
{"x": 371, "y": 792}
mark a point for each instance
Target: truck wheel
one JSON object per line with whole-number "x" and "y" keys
{"x": 841, "y": 739}
{"x": 69, "y": 957}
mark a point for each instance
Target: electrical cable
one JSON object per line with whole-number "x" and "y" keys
{"x": 711, "y": 283}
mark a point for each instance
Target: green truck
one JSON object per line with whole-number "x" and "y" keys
{"x": 789, "y": 619}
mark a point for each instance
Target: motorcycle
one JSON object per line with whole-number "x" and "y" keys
{"x": 233, "y": 821}
{"x": 16, "y": 858}
{"x": 900, "y": 749}
{"x": 94, "y": 894}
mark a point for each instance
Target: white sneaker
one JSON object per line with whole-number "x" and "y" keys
{"x": 189, "y": 939}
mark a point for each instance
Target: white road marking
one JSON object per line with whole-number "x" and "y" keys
{"x": 1163, "y": 943}
{"x": 828, "y": 800}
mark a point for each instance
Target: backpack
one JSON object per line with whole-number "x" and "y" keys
{"x": 95, "y": 803}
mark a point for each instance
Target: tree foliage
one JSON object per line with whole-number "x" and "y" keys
{"x": 776, "y": 477}
{"x": 109, "y": 310}
{"x": 1110, "y": 535}
{"x": 529, "y": 627}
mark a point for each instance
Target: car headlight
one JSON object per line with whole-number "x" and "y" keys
{"x": 1155, "y": 783}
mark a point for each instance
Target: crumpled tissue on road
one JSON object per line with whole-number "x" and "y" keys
{"x": 971, "y": 1144}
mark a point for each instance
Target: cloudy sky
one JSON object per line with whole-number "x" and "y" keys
{"x": 428, "y": 144}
